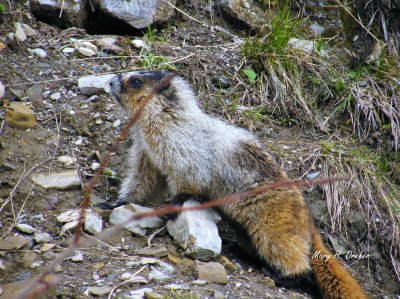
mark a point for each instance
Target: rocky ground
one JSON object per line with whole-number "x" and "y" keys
{"x": 51, "y": 125}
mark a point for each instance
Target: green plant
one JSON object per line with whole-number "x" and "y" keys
{"x": 251, "y": 75}
{"x": 2, "y": 8}
{"x": 151, "y": 61}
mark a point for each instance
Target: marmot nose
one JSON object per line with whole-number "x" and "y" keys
{"x": 115, "y": 86}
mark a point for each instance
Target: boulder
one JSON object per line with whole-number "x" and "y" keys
{"x": 138, "y": 14}
{"x": 73, "y": 12}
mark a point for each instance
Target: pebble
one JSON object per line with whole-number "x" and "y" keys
{"x": 55, "y": 96}
{"x": 218, "y": 295}
{"x": 38, "y": 52}
{"x": 7, "y": 166}
{"x": 20, "y": 34}
{"x": 126, "y": 276}
{"x": 42, "y": 238}
{"x": 99, "y": 291}
{"x": 86, "y": 52}
{"x": 58, "y": 180}
{"x": 2, "y": 90}
{"x": 78, "y": 257}
{"x": 199, "y": 282}
{"x": 212, "y": 272}
{"x": 48, "y": 255}
{"x": 36, "y": 264}
{"x": 66, "y": 160}
{"x": 68, "y": 50}
{"x": 158, "y": 275}
{"x": 154, "y": 251}
{"x": 108, "y": 43}
{"x": 25, "y": 228}
{"x": 46, "y": 247}
{"x": 231, "y": 267}
{"x": 116, "y": 123}
{"x": 151, "y": 295}
{"x": 91, "y": 85}
{"x": 20, "y": 115}
{"x": 268, "y": 282}
{"x": 68, "y": 227}
{"x": 138, "y": 227}
{"x": 13, "y": 242}
{"x": 174, "y": 286}
{"x": 138, "y": 294}
{"x": 91, "y": 99}
{"x": 312, "y": 175}
{"x": 28, "y": 30}
{"x": 95, "y": 166}
{"x": 140, "y": 44}
{"x": 196, "y": 232}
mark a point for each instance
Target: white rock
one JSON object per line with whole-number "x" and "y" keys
{"x": 66, "y": 160}
{"x": 139, "y": 227}
{"x": 25, "y": 228}
{"x": 87, "y": 45}
{"x": 69, "y": 226}
{"x": 68, "y": 50}
{"x": 55, "y": 96}
{"x": 42, "y": 238}
{"x": 116, "y": 123}
{"x": 196, "y": 232}
{"x": 68, "y": 216}
{"x": 36, "y": 264}
{"x": 58, "y": 180}
{"x": 140, "y": 44}
{"x": 28, "y": 30}
{"x": 20, "y": 34}
{"x": 126, "y": 276}
{"x": 38, "y": 52}
{"x": 95, "y": 166}
{"x": 307, "y": 46}
{"x": 93, "y": 223}
{"x": 78, "y": 257}
{"x": 86, "y": 52}
{"x": 90, "y": 85}
{"x": 138, "y": 294}
{"x": 2, "y": 90}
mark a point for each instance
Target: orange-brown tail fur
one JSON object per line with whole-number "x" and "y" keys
{"x": 333, "y": 279}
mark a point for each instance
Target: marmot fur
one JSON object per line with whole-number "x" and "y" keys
{"x": 178, "y": 149}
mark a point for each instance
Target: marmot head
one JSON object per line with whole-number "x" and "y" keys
{"x": 174, "y": 101}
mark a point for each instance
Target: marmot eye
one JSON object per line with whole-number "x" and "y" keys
{"x": 135, "y": 83}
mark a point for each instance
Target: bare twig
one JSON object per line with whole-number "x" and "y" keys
{"x": 155, "y": 234}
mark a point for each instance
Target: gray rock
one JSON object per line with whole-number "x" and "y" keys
{"x": 13, "y": 242}
{"x": 90, "y": 85}
{"x": 196, "y": 232}
{"x": 212, "y": 272}
{"x": 25, "y": 228}
{"x": 139, "y": 14}
{"x": 58, "y": 180}
{"x": 138, "y": 294}
{"x": 20, "y": 34}
{"x": 28, "y": 30}
{"x": 35, "y": 93}
{"x": 158, "y": 275}
{"x": 243, "y": 14}
{"x": 108, "y": 43}
{"x": 99, "y": 291}
{"x": 2, "y": 90}
{"x": 55, "y": 96}
{"x": 73, "y": 12}
{"x": 154, "y": 251}
{"x": 68, "y": 50}
{"x": 42, "y": 238}
{"x": 93, "y": 223}
{"x": 139, "y": 227}
{"x": 38, "y": 52}
{"x": 174, "y": 286}
{"x": 306, "y": 46}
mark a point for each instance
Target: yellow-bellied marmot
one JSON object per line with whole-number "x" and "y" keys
{"x": 178, "y": 149}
